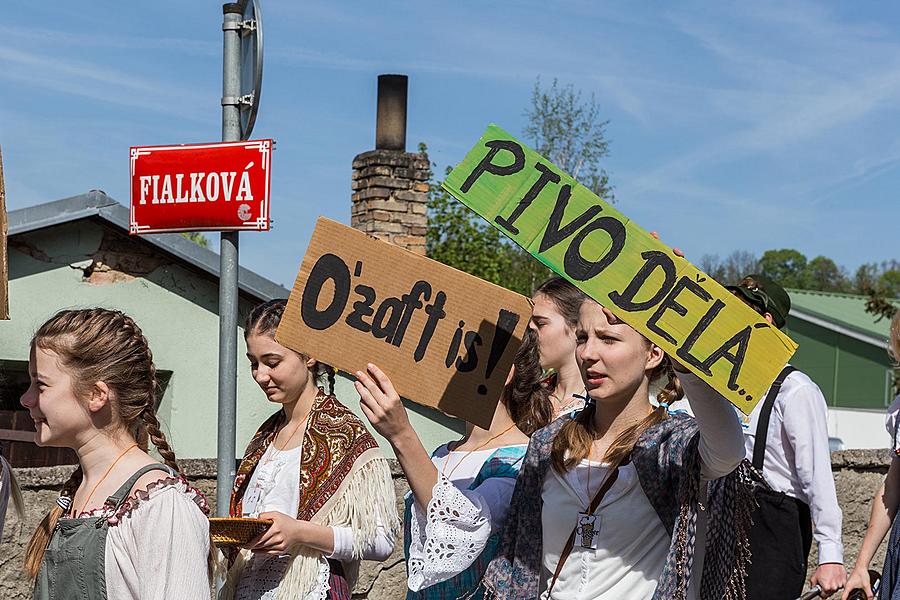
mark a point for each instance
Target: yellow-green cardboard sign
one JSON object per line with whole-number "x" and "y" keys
{"x": 621, "y": 266}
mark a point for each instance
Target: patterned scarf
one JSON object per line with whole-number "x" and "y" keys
{"x": 335, "y": 439}
{"x": 344, "y": 481}
{"x": 667, "y": 462}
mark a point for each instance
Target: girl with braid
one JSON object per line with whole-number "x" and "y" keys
{"x": 608, "y": 501}
{"x": 316, "y": 472}
{"x": 125, "y": 526}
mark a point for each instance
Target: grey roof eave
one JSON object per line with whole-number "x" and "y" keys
{"x": 97, "y": 204}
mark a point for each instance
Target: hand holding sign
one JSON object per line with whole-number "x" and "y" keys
{"x": 381, "y": 403}
{"x": 590, "y": 243}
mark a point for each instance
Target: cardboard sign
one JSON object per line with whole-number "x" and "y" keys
{"x": 201, "y": 187}
{"x": 615, "y": 262}
{"x": 4, "y": 257}
{"x": 446, "y": 339}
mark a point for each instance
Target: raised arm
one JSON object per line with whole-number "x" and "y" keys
{"x": 382, "y": 406}
{"x": 721, "y": 438}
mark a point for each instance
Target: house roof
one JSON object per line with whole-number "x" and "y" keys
{"x": 96, "y": 204}
{"x": 844, "y": 313}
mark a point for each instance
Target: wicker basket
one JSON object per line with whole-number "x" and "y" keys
{"x": 226, "y": 531}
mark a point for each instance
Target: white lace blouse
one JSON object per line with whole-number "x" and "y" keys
{"x": 157, "y": 545}
{"x": 452, "y": 531}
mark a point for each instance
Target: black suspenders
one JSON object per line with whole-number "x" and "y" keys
{"x": 762, "y": 426}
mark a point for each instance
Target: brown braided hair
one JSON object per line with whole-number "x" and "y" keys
{"x": 264, "y": 320}
{"x": 94, "y": 345}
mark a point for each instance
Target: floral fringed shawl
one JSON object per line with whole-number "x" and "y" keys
{"x": 345, "y": 481}
{"x": 667, "y": 462}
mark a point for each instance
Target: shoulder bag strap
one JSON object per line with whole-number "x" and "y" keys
{"x": 762, "y": 426}
{"x": 570, "y": 543}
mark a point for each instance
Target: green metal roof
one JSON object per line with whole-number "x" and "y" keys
{"x": 842, "y": 310}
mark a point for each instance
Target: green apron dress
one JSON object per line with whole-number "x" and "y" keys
{"x": 74, "y": 565}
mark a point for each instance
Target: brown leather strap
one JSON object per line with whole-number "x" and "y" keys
{"x": 570, "y": 543}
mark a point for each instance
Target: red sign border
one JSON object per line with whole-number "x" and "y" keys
{"x": 262, "y": 223}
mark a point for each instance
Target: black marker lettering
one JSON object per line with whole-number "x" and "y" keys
{"x": 362, "y": 308}
{"x": 580, "y": 269}
{"x": 453, "y": 350}
{"x": 435, "y": 312}
{"x": 547, "y": 176}
{"x": 654, "y": 259}
{"x": 554, "y": 234}
{"x": 741, "y": 339}
{"x": 671, "y": 303}
{"x": 684, "y": 351}
{"x": 327, "y": 267}
{"x": 411, "y": 303}
{"x": 384, "y": 326}
{"x": 487, "y": 166}
{"x": 467, "y": 364}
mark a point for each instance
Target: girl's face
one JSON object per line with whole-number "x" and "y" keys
{"x": 614, "y": 359}
{"x": 280, "y": 372}
{"x": 556, "y": 339}
{"x": 60, "y": 418}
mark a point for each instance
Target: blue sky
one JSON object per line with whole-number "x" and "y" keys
{"x": 733, "y": 126}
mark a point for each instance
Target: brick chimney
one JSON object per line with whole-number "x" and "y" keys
{"x": 390, "y": 185}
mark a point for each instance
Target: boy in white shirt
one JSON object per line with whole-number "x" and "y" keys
{"x": 786, "y": 438}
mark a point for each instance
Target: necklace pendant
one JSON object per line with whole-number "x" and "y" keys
{"x": 587, "y": 530}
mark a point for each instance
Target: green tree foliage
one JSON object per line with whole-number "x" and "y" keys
{"x": 458, "y": 237}
{"x": 879, "y": 279}
{"x": 786, "y": 266}
{"x": 569, "y": 132}
{"x": 823, "y": 274}
{"x": 196, "y": 237}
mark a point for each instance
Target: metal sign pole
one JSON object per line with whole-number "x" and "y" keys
{"x": 228, "y": 269}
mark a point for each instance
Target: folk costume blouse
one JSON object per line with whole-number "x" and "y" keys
{"x": 647, "y": 522}
{"x": 157, "y": 545}
{"x": 343, "y": 482}
{"x": 449, "y": 543}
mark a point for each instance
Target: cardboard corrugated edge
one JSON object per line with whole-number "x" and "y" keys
{"x": 452, "y": 396}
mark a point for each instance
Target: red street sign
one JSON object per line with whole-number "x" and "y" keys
{"x": 220, "y": 187}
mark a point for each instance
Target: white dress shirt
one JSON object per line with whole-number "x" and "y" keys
{"x": 798, "y": 458}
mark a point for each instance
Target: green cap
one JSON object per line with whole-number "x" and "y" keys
{"x": 765, "y": 294}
